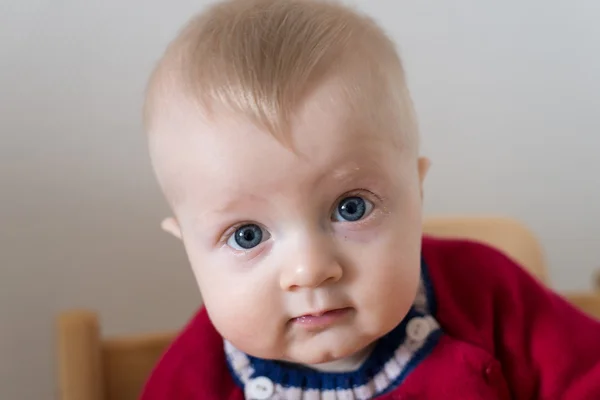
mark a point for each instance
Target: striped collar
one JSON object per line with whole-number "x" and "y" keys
{"x": 395, "y": 355}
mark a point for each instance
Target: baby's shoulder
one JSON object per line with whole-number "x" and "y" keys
{"x": 475, "y": 285}
{"x": 486, "y": 299}
{"x": 472, "y": 267}
{"x": 193, "y": 366}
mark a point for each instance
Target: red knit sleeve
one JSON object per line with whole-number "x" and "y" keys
{"x": 548, "y": 349}
{"x": 193, "y": 367}
{"x": 165, "y": 382}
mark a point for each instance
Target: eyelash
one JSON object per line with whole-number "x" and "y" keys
{"x": 231, "y": 230}
{"x": 377, "y": 200}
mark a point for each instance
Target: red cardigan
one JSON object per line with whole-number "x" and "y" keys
{"x": 505, "y": 337}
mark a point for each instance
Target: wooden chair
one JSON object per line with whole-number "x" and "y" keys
{"x": 504, "y": 234}
{"x": 95, "y": 368}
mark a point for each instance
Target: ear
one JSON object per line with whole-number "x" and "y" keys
{"x": 423, "y": 165}
{"x": 171, "y": 226}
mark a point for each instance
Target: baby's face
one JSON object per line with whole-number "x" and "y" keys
{"x": 305, "y": 256}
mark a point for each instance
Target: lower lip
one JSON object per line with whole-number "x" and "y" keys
{"x": 323, "y": 320}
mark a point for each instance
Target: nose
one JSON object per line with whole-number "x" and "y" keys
{"x": 312, "y": 264}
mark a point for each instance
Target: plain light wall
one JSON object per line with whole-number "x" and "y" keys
{"x": 507, "y": 94}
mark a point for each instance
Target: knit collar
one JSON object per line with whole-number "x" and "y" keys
{"x": 392, "y": 359}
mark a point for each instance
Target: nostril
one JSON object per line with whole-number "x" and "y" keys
{"x": 293, "y": 288}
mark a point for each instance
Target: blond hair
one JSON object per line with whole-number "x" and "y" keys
{"x": 261, "y": 58}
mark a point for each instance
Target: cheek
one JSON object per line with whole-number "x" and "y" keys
{"x": 390, "y": 249}
{"x": 392, "y": 272}
{"x": 389, "y": 289}
{"x": 388, "y": 267}
{"x": 243, "y": 307}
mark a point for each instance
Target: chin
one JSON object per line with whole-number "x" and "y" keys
{"x": 314, "y": 354}
{"x": 321, "y": 358}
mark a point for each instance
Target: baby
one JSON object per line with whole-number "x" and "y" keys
{"x": 283, "y": 136}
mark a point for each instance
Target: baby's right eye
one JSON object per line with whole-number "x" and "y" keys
{"x": 247, "y": 237}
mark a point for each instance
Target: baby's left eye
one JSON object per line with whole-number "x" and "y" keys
{"x": 352, "y": 209}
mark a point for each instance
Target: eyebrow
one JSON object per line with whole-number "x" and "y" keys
{"x": 233, "y": 202}
{"x": 349, "y": 170}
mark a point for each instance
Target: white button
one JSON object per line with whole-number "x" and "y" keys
{"x": 260, "y": 388}
{"x": 418, "y": 329}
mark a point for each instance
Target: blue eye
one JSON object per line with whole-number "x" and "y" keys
{"x": 352, "y": 209}
{"x": 247, "y": 237}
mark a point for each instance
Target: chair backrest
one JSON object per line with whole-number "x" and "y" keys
{"x": 505, "y": 234}
{"x": 96, "y": 368}
{"x": 93, "y": 368}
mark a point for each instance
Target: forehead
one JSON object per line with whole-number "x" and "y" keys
{"x": 227, "y": 154}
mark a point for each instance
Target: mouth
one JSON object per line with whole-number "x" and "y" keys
{"x": 321, "y": 319}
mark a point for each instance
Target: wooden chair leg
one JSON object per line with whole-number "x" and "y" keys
{"x": 79, "y": 357}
